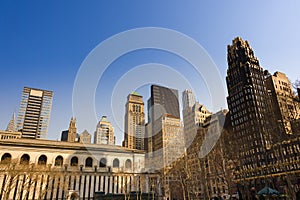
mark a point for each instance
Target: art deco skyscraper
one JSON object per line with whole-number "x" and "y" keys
{"x": 104, "y": 133}
{"x": 72, "y": 131}
{"x": 134, "y": 122}
{"x": 34, "y": 112}
{"x": 247, "y": 103}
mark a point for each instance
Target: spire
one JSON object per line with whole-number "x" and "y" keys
{"x": 11, "y": 127}
{"x": 72, "y": 132}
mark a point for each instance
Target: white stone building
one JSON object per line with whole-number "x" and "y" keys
{"x": 84, "y": 168}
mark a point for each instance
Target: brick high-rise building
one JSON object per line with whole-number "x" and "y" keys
{"x": 248, "y": 104}
{"x": 34, "y": 112}
{"x": 285, "y": 107}
{"x": 134, "y": 122}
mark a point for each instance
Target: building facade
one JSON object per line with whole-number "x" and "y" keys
{"x": 34, "y": 112}
{"x": 193, "y": 118}
{"x": 85, "y": 137}
{"x": 134, "y": 136}
{"x": 248, "y": 104}
{"x": 72, "y": 131}
{"x": 55, "y": 170}
{"x": 284, "y": 104}
{"x": 162, "y": 100}
{"x": 188, "y": 99}
{"x": 104, "y": 133}
{"x": 206, "y": 177}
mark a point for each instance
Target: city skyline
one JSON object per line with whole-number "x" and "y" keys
{"x": 36, "y": 41}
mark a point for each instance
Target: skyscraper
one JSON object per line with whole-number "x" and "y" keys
{"x": 104, "y": 133}
{"x": 164, "y": 131}
{"x": 34, "y": 112}
{"x": 247, "y": 103}
{"x": 162, "y": 101}
{"x": 134, "y": 122}
{"x": 188, "y": 99}
{"x": 285, "y": 107}
{"x": 193, "y": 118}
{"x": 72, "y": 131}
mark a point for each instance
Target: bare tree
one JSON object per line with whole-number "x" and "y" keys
{"x": 23, "y": 177}
{"x": 296, "y": 84}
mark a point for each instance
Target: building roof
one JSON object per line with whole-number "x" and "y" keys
{"x": 43, "y": 143}
{"x": 104, "y": 119}
{"x": 136, "y": 93}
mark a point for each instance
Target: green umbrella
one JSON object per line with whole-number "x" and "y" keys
{"x": 268, "y": 191}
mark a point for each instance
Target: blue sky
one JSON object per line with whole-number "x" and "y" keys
{"x": 43, "y": 43}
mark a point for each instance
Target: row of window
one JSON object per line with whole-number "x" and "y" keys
{"x": 59, "y": 161}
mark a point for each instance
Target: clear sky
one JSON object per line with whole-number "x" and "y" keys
{"x": 43, "y": 44}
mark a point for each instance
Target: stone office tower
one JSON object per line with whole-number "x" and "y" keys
{"x": 194, "y": 115}
{"x": 34, "y": 112}
{"x": 248, "y": 104}
{"x": 134, "y": 122}
{"x": 72, "y": 132}
{"x": 284, "y": 104}
{"x": 104, "y": 133}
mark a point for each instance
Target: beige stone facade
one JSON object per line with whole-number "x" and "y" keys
{"x": 104, "y": 133}
{"x": 60, "y": 168}
{"x": 285, "y": 107}
{"x": 134, "y": 135}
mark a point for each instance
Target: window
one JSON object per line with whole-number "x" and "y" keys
{"x": 74, "y": 161}
{"x": 116, "y": 162}
{"x": 102, "y": 162}
{"x": 42, "y": 160}
{"x": 59, "y": 161}
{"x": 128, "y": 164}
{"x": 6, "y": 158}
{"x": 89, "y": 162}
{"x": 25, "y": 159}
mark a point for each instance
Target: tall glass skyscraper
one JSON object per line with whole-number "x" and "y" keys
{"x": 34, "y": 112}
{"x": 162, "y": 101}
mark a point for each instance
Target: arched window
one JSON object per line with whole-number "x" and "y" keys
{"x": 89, "y": 162}
{"x": 74, "y": 161}
{"x": 42, "y": 160}
{"x": 25, "y": 159}
{"x": 128, "y": 164}
{"x": 59, "y": 161}
{"x": 6, "y": 158}
{"x": 116, "y": 162}
{"x": 102, "y": 162}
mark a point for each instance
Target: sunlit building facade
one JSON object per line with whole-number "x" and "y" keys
{"x": 34, "y": 112}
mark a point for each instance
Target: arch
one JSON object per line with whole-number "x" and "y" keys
{"x": 42, "y": 160}
{"x": 59, "y": 161}
{"x": 89, "y": 162}
{"x": 116, "y": 162}
{"x": 25, "y": 159}
{"x": 74, "y": 161}
{"x": 74, "y": 196}
{"x": 128, "y": 164}
{"x": 6, "y": 158}
{"x": 102, "y": 162}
